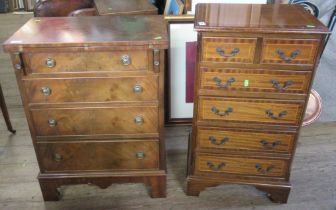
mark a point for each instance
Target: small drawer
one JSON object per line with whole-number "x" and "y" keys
{"x": 95, "y": 121}
{"x": 247, "y": 140}
{"x": 98, "y": 156}
{"x": 228, "y": 49}
{"x": 239, "y": 165}
{"x": 254, "y": 110}
{"x": 255, "y": 80}
{"x": 91, "y": 89}
{"x": 289, "y": 51}
{"x": 61, "y": 62}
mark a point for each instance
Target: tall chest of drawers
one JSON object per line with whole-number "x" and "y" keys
{"x": 92, "y": 89}
{"x": 255, "y": 68}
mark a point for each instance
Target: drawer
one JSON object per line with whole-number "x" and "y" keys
{"x": 289, "y": 51}
{"x": 92, "y": 89}
{"x": 97, "y": 156}
{"x": 240, "y": 165}
{"x": 228, "y": 49}
{"x": 95, "y": 121}
{"x": 58, "y": 62}
{"x": 247, "y": 140}
{"x": 254, "y": 110}
{"x": 255, "y": 80}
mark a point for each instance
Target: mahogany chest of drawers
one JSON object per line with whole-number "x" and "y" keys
{"x": 92, "y": 89}
{"x": 255, "y": 67}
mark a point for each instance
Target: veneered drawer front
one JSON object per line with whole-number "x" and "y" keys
{"x": 237, "y": 165}
{"x": 254, "y": 110}
{"x": 228, "y": 49}
{"x": 86, "y": 61}
{"x": 95, "y": 121}
{"x": 88, "y": 156}
{"x": 289, "y": 51}
{"x": 247, "y": 140}
{"x": 255, "y": 80}
{"x": 92, "y": 89}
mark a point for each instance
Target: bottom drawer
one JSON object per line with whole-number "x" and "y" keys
{"x": 93, "y": 156}
{"x": 241, "y": 165}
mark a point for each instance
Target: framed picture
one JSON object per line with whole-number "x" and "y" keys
{"x": 181, "y": 66}
{"x": 174, "y": 7}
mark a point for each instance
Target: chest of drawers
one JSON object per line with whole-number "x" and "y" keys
{"x": 92, "y": 90}
{"x": 255, "y": 67}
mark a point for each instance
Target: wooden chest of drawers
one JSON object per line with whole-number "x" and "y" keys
{"x": 92, "y": 89}
{"x": 255, "y": 67}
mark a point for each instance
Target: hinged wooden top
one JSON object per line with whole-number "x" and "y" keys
{"x": 121, "y": 7}
{"x": 267, "y": 18}
{"x": 90, "y": 31}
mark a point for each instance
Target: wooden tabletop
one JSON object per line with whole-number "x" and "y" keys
{"x": 124, "y": 7}
{"x": 90, "y": 31}
{"x": 269, "y": 18}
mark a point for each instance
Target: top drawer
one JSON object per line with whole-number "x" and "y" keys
{"x": 289, "y": 51}
{"x": 228, "y": 49}
{"x": 58, "y": 62}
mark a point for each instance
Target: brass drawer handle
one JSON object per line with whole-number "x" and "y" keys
{"x": 139, "y": 120}
{"x": 46, "y": 91}
{"x": 52, "y": 122}
{"x": 277, "y": 86}
{"x": 126, "y": 60}
{"x": 57, "y": 157}
{"x": 227, "y": 84}
{"x": 50, "y": 62}
{"x": 137, "y": 89}
{"x": 282, "y": 55}
{"x": 225, "y": 113}
{"x": 270, "y": 114}
{"x": 221, "y": 52}
{"x": 140, "y": 155}
{"x": 215, "y": 168}
{"x": 267, "y": 144}
{"x": 264, "y": 170}
{"x": 213, "y": 140}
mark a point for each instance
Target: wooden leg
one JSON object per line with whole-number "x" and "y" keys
{"x": 5, "y": 112}
{"x": 195, "y": 187}
{"x": 277, "y": 194}
{"x": 158, "y": 186}
{"x": 49, "y": 190}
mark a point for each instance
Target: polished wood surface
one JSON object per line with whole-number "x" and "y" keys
{"x": 246, "y": 111}
{"x": 244, "y": 139}
{"x": 254, "y": 80}
{"x": 255, "y": 68}
{"x": 125, "y": 7}
{"x": 86, "y": 61}
{"x": 270, "y": 18}
{"x": 98, "y": 156}
{"x": 220, "y": 49}
{"x": 94, "y": 121}
{"x": 146, "y": 31}
{"x": 92, "y": 91}
{"x": 138, "y": 88}
{"x": 234, "y": 165}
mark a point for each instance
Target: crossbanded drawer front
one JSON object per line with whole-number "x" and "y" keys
{"x": 228, "y": 49}
{"x": 289, "y": 51}
{"x": 254, "y": 110}
{"x": 255, "y": 80}
{"x": 238, "y": 165}
{"x": 98, "y": 156}
{"x": 92, "y": 89}
{"x": 247, "y": 140}
{"x": 95, "y": 121}
{"x": 53, "y": 62}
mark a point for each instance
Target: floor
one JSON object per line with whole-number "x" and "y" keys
{"x": 313, "y": 175}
